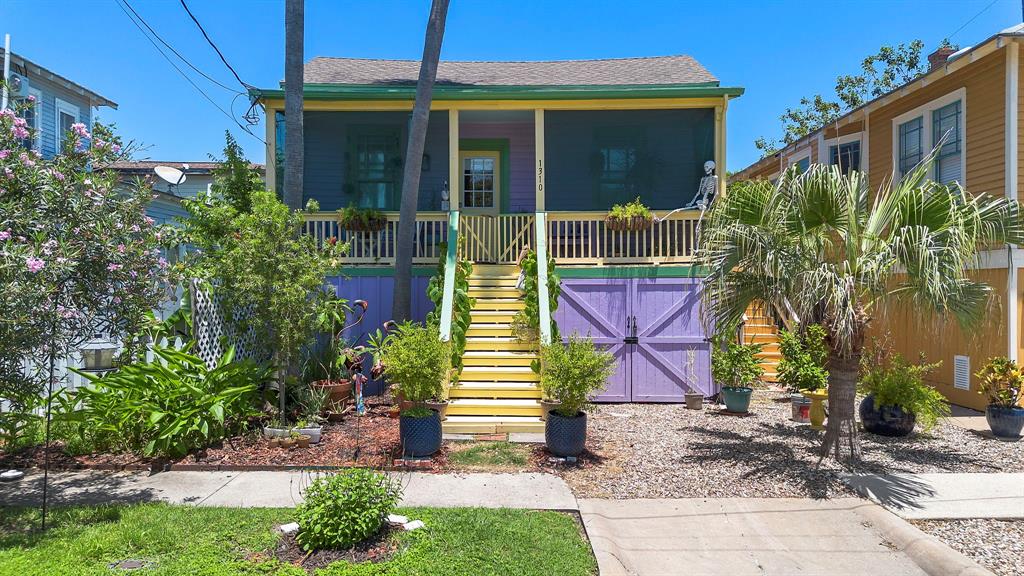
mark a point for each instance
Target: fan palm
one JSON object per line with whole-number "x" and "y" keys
{"x": 821, "y": 248}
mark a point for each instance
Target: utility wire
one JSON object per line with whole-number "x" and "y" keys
{"x": 176, "y": 53}
{"x": 214, "y": 46}
{"x": 973, "y": 18}
{"x": 122, "y": 4}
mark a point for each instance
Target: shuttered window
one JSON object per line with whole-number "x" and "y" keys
{"x": 947, "y": 132}
{"x": 911, "y": 146}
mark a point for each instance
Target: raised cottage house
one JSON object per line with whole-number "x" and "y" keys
{"x": 527, "y": 154}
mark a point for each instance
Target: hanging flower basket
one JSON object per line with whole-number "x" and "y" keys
{"x": 372, "y": 223}
{"x": 635, "y": 223}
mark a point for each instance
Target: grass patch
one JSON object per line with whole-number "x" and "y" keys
{"x": 490, "y": 455}
{"x": 180, "y": 540}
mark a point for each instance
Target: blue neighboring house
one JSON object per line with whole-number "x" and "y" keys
{"x": 59, "y": 102}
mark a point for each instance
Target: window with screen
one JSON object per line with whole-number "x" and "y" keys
{"x": 946, "y": 131}
{"x": 67, "y": 115}
{"x": 375, "y": 166}
{"x": 911, "y": 149}
{"x": 846, "y": 156}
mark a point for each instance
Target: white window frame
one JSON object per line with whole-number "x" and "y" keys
{"x": 827, "y": 144}
{"x": 67, "y": 108}
{"x": 925, "y": 113}
{"x": 37, "y": 118}
{"x": 798, "y": 155}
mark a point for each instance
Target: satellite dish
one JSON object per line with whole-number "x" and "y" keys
{"x": 172, "y": 176}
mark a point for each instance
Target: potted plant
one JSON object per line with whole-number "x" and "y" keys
{"x": 693, "y": 397}
{"x": 302, "y": 441}
{"x": 1003, "y": 382}
{"x": 632, "y": 216}
{"x": 361, "y": 219}
{"x": 802, "y": 368}
{"x": 896, "y": 396}
{"x": 276, "y": 428}
{"x": 416, "y": 362}
{"x": 290, "y": 441}
{"x": 735, "y": 367}
{"x": 570, "y": 373}
{"x": 327, "y": 366}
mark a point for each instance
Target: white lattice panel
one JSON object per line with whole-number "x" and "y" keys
{"x": 214, "y": 334}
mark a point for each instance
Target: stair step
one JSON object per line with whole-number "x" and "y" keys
{"x": 491, "y": 316}
{"x": 491, "y": 270}
{"x": 492, "y": 424}
{"x": 501, "y": 304}
{"x": 489, "y": 330}
{"x": 494, "y": 407}
{"x": 761, "y": 338}
{"x": 492, "y": 281}
{"x": 497, "y": 343}
{"x": 494, "y": 292}
{"x": 497, "y": 358}
{"x": 473, "y": 389}
{"x": 500, "y": 374}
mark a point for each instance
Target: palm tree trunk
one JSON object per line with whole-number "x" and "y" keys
{"x": 401, "y": 307}
{"x": 841, "y": 434}
{"x": 293, "y": 83}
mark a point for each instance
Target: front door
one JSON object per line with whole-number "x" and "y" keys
{"x": 481, "y": 182}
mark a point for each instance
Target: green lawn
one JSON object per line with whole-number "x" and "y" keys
{"x": 490, "y": 455}
{"x": 214, "y": 541}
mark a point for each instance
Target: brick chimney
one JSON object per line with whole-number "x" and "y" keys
{"x": 939, "y": 57}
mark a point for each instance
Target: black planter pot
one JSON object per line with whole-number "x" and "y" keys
{"x": 886, "y": 420}
{"x": 565, "y": 436}
{"x": 1005, "y": 422}
{"x": 420, "y": 436}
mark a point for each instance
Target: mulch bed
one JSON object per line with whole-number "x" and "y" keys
{"x": 377, "y": 548}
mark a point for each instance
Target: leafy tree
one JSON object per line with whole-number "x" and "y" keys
{"x": 816, "y": 244}
{"x": 882, "y": 72}
{"x": 78, "y": 255}
{"x": 235, "y": 178}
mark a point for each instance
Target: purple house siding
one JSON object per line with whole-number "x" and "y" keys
{"x": 521, "y": 157}
{"x": 378, "y": 292}
{"x": 669, "y": 335}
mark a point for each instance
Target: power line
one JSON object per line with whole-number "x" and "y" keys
{"x": 176, "y": 53}
{"x": 121, "y": 5}
{"x": 973, "y": 18}
{"x": 212, "y": 45}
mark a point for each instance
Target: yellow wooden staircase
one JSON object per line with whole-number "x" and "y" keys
{"x": 760, "y": 328}
{"x": 497, "y": 392}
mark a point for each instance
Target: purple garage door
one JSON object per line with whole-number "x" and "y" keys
{"x": 664, "y": 356}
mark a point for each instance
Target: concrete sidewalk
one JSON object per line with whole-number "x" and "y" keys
{"x": 285, "y": 489}
{"x": 758, "y": 537}
{"x": 944, "y": 496}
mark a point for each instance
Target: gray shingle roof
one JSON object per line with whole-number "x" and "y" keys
{"x": 609, "y": 72}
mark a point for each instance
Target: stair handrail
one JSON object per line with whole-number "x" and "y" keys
{"x": 542, "y": 278}
{"x": 451, "y": 258}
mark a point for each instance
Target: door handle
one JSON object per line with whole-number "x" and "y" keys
{"x": 634, "y": 326}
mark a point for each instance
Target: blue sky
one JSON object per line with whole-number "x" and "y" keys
{"x": 779, "y": 51}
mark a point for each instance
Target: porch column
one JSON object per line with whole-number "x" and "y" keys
{"x": 270, "y": 165}
{"x": 720, "y": 144}
{"x": 538, "y": 138}
{"x": 454, "y": 197}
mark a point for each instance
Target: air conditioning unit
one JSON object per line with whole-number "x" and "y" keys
{"x": 17, "y": 86}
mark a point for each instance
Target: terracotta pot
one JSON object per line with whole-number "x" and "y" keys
{"x": 441, "y": 407}
{"x": 394, "y": 412}
{"x": 339, "y": 390}
{"x": 274, "y": 442}
{"x": 288, "y": 443}
{"x": 403, "y": 404}
{"x": 302, "y": 441}
{"x": 547, "y": 406}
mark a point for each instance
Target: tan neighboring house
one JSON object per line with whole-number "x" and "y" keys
{"x": 973, "y": 96}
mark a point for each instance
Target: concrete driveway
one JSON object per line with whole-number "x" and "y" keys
{"x": 784, "y": 537}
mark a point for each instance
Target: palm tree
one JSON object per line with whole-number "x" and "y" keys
{"x": 401, "y": 307}
{"x": 293, "y": 83}
{"x": 819, "y": 246}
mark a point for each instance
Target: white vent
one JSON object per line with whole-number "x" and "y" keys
{"x": 962, "y": 372}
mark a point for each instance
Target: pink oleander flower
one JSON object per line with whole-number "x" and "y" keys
{"x": 28, "y": 162}
{"x": 117, "y": 299}
{"x": 8, "y": 173}
{"x": 8, "y": 113}
{"x": 31, "y": 98}
{"x": 34, "y": 264}
{"x": 113, "y": 266}
{"x": 5, "y": 234}
{"x": 19, "y": 132}
{"x": 79, "y": 128}
{"x": 162, "y": 262}
{"x": 116, "y": 148}
{"x": 120, "y": 248}
{"x": 149, "y": 220}
{"x": 4, "y": 154}
{"x": 56, "y": 174}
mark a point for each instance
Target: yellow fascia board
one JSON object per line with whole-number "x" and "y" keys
{"x": 406, "y": 105}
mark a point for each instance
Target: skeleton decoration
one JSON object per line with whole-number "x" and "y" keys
{"x": 707, "y": 189}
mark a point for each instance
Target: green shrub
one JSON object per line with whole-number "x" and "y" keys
{"x": 526, "y": 324}
{"x": 901, "y": 383}
{"x": 417, "y": 363}
{"x": 736, "y": 365}
{"x": 167, "y": 407}
{"x": 632, "y": 209}
{"x": 462, "y": 303}
{"x": 1002, "y": 381}
{"x": 343, "y": 509}
{"x": 802, "y": 368}
{"x": 573, "y": 371}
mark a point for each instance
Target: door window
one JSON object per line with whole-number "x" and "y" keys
{"x": 480, "y": 181}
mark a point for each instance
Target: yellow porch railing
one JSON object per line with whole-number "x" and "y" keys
{"x": 585, "y": 238}
{"x": 378, "y": 247}
{"x": 572, "y": 238}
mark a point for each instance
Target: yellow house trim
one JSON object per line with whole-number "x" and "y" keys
{"x": 402, "y": 105}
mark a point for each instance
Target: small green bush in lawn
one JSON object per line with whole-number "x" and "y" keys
{"x": 343, "y": 509}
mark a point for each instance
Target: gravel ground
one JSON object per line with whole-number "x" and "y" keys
{"x": 667, "y": 451}
{"x": 995, "y": 544}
